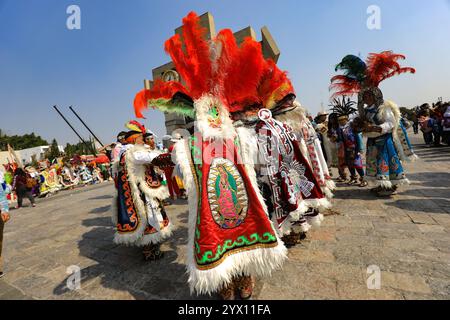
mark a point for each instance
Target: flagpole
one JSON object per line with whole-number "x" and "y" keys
{"x": 71, "y": 109}
{"x": 68, "y": 123}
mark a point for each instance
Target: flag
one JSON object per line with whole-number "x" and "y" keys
{"x": 14, "y": 157}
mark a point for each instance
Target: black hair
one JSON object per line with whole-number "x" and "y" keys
{"x": 121, "y": 135}
{"x": 19, "y": 172}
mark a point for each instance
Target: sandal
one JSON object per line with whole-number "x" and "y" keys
{"x": 289, "y": 240}
{"x": 227, "y": 292}
{"x": 152, "y": 252}
{"x": 246, "y": 286}
{"x": 363, "y": 184}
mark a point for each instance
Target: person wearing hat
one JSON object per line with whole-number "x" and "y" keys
{"x": 321, "y": 117}
{"x": 381, "y": 117}
{"x": 350, "y": 142}
{"x": 139, "y": 214}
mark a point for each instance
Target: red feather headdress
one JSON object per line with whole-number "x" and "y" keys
{"x": 239, "y": 76}
{"x": 359, "y": 75}
{"x": 384, "y": 65}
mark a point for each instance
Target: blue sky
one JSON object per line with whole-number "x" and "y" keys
{"x": 99, "y": 68}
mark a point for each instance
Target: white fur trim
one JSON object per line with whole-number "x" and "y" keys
{"x": 257, "y": 262}
{"x": 305, "y": 227}
{"x": 386, "y": 184}
{"x": 130, "y": 238}
{"x": 202, "y": 106}
{"x": 319, "y": 204}
{"x": 400, "y": 182}
{"x": 156, "y": 237}
{"x": 327, "y": 192}
{"x": 330, "y": 184}
{"x": 315, "y": 221}
{"x": 294, "y": 118}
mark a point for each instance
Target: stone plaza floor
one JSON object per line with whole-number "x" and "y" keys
{"x": 406, "y": 236}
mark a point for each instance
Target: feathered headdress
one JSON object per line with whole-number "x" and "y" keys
{"x": 135, "y": 126}
{"x": 359, "y": 75}
{"x": 237, "y": 75}
{"x": 343, "y": 107}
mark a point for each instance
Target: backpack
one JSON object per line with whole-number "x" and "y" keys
{"x": 426, "y": 126}
{"x": 30, "y": 182}
{"x": 446, "y": 122}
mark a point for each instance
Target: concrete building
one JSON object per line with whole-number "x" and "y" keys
{"x": 26, "y": 155}
{"x": 168, "y": 72}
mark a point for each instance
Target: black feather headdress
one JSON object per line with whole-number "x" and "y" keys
{"x": 343, "y": 107}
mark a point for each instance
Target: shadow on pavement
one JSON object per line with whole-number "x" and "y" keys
{"x": 102, "y": 197}
{"x": 421, "y": 205}
{"x": 430, "y": 179}
{"x": 123, "y": 268}
{"x": 101, "y": 209}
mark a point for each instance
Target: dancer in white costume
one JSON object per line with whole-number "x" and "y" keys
{"x": 139, "y": 215}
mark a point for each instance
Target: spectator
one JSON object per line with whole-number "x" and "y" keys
{"x": 426, "y": 126}
{"x": 437, "y": 115}
{"x": 4, "y": 212}
{"x": 415, "y": 121}
{"x": 22, "y": 185}
{"x": 446, "y": 124}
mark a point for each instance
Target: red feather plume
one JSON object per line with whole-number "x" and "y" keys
{"x": 274, "y": 85}
{"x": 240, "y": 70}
{"x": 381, "y": 66}
{"x": 344, "y": 86}
{"x": 240, "y": 76}
{"x": 194, "y": 63}
{"x": 160, "y": 90}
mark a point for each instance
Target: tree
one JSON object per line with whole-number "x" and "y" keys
{"x": 19, "y": 142}
{"x": 34, "y": 162}
{"x": 53, "y": 152}
{"x": 79, "y": 149}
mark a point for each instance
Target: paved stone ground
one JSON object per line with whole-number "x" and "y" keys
{"x": 406, "y": 236}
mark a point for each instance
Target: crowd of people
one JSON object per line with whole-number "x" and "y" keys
{"x": 47, "y": 178}
{"x": 433, "y": 121}
{"x": 255, "y": 168}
